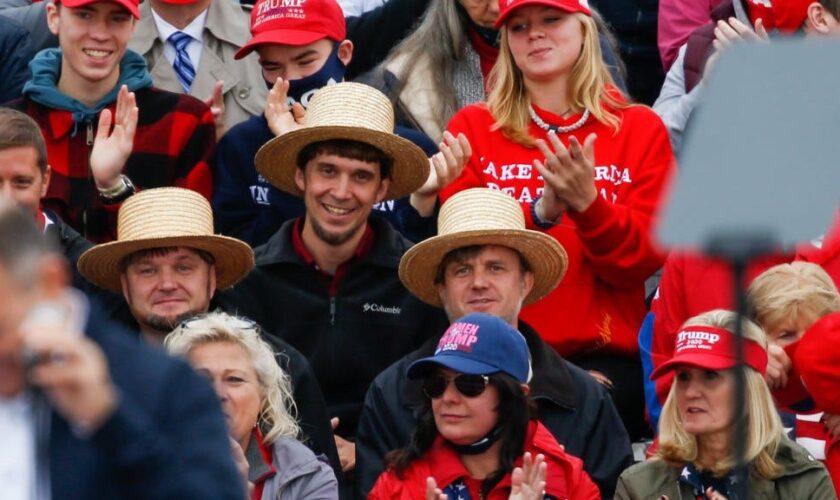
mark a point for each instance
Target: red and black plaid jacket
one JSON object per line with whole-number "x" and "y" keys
{"x": 173, "y": 143}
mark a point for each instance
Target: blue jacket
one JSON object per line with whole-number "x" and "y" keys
{"x": 247, "y": 207}
{"x": 167, "y": 438}
{"x": 16, "y": 50}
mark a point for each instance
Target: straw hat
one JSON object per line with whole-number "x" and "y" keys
{"x": 165, "y": 217}
{"x": 346, "y": 111}
{"x": 483, "y": 216}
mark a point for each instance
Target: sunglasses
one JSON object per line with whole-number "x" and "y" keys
{"x": 470, "y": 386}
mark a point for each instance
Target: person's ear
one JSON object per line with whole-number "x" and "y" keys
{"x": 300, "y": 179}
{"x": 526, "y": 389}
{"x": 125, "y": 290}
{"x": 52, "y": 17}
{"x": 816, "y": 18}
{"x": 345, "y": 52}
{"x": 53, "y": 276}
{"x": 46, "y": 184}
{"x": 211, "y": 286}
{"x": 383, "y": 189}
{"x": 527, "y": 283}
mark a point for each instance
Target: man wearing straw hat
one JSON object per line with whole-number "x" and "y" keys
{"x": 168, "y": 264}
{"x": 85, "y": 412}
{"x": 327, "y": 282}
{"x": 484, "y": 260}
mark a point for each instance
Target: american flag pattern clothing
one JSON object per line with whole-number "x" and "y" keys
{"x": 459, "y": 491}
{"x": 700, "y": 481}
{"x": 173, "y": 143}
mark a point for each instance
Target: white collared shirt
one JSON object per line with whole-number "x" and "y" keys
{"x": 195, "y": 29}
{"x": 17, "y": 453}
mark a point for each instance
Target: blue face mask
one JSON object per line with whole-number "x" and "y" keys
{"x": 302, "y": 89}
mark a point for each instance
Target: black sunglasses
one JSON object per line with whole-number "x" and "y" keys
{"x": 470, "y": 386}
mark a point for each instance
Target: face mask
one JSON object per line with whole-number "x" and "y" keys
{"x": 302, "y": 89}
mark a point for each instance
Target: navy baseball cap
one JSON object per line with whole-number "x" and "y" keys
{"x": 479, "y": 344}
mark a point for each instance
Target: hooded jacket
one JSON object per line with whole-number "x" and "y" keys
{"x": 174, "y": 139}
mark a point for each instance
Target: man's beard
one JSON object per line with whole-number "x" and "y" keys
{"x": 334, "y": 239}
{"x": 164, "y": 324}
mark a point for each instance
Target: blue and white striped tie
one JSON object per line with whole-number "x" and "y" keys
{"x": 182, "y": 64}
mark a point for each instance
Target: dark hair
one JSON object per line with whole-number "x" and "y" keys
{"x": 832, "y": 6}
{"x": 19, "y": 130}
{"x": 347, "y": 148}
{"x": 22, "y": 244}
{"x": 514, "y": 412}
{"x": 160, "y": 252}
{"x": 464, "y": 253}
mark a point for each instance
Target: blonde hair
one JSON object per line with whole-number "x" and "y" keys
{"x": 792, "y": 291}
{"x": 764, "y": 429}
{"x": 509, "y": 100}
{"x": 278, "y": 408}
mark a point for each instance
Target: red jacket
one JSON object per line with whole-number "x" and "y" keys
{"x": 565, "y": 478}
{"x": 173, "y": 142}
{"x": 601, "y": 301}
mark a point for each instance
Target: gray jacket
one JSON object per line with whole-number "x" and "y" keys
{"x": 225, "y": 31}
{"x": 299, "y": 474}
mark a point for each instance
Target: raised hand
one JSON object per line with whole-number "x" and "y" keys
{"x": 732, "y": 31}
{"x": 568, "y": 175}
{"x": 112, "y": 149}
{"x": 346, "y": 449}
{"x": 281, "y": 118}
{"x": 432, "y": 491}
{"x": 444, "y": 167}
{"x": 216, "y": 102}
{"x": 528, "y": 481}
{"x": 778, "y": 366}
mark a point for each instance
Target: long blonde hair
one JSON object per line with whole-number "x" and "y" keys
{"x": 588, "y": 87}
{"x": 278, "y": 408}
{"x": 764, "y": 429}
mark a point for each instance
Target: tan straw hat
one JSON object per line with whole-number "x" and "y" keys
{"x": 483, "y": 216}
{"x": 166, "y": 217}
{"x": 346, "y": 111}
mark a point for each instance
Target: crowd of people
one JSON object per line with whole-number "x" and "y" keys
{"x": 228, "y": 271}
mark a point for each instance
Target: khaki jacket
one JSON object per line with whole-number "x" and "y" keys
{"x": 226, "y": 30}
{"x": 803, "y": 478}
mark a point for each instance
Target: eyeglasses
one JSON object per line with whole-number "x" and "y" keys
{"x": 470, "y": 386}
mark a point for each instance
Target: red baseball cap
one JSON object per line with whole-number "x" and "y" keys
{"x": 817, "y": 358}
{"x": 790, "y": 15}
{"x": 294, "y": 22}
{"x": 130, "y": 5}
{"x": 506, "y": 7}
{"x": 711, "y": 348}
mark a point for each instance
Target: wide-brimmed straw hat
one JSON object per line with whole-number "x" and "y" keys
{"x": 483, "y": 216}
{"x": 160, "y": 218}
{"x": 346, "y": 111}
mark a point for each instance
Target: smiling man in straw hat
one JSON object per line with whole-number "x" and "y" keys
{"x": 168, "y": 264}
{"x": 484, "y": 260}
{"x": 327, "y": 282}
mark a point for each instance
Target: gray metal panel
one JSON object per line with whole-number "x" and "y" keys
{"x": 763, "y": 152}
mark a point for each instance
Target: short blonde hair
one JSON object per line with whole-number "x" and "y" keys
{"x": 792, "y": 291}
{"x": 508, "y": 100}
{"x": 764, "y": 429}
{"x": 278, "y": 406}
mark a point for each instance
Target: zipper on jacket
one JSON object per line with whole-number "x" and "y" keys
{"x": 90, "y": 133}
{"x": 332, "y": 311}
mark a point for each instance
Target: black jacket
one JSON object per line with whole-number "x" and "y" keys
{"x": 572, "y": 405}
{"x": 349, "y": 337}
{"x": 16, "y": 50}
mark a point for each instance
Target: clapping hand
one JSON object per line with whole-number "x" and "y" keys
{"x": 528, "y": 481}
{"x": 568, "y": 174}
{"x": 444, "y": 167}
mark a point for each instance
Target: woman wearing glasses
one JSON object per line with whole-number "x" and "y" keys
{"x": 477, "y": 437}
{"x": 256, "y": 398}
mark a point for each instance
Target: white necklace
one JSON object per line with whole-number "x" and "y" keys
{"x": 560, "y": 130}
